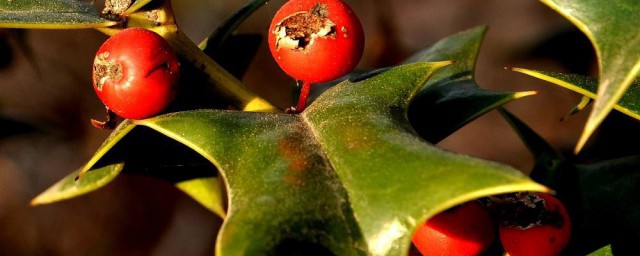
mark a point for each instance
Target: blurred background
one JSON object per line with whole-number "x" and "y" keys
{"x": 45, "y": 82}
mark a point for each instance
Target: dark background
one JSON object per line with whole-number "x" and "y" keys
{"x": 45, "y": 81}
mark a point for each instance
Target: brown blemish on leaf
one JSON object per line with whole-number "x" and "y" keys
{"x": 355, "y": 141}
{"x": 292, "y": 150}
{"x": 299, "y": 30}
{"x": 105, "y": 69}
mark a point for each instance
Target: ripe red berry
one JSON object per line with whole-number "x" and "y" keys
{"x": 464, "y": 230}
{"x": 316, "y": 40}
{"x": 135, "y": 73}
{"x": 535, "y": 224}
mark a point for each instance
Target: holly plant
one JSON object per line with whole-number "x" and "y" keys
{"x": 356, "y": 170}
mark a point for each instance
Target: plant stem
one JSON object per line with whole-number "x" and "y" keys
{"x": 240, "y": 95}
{"x": 109, "y": 123}
{"x": 304, "y": 97}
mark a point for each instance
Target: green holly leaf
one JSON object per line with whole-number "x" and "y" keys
{"x": 50, "y": 14}
{"x": 587, "y": 86}
{"x": 609, "y": 192}
{"x": 452, "y": 98}
{"x": 68, "y": 187}
{"x": 604, "y": 251}
{"x": 612, "y": 29}
{"x": 548, "y": 162}
{"x": 347, "y": 176}
{"x": 384, "y": 166}
{"x": 207, "y": 191}
{"x": 135, "y": 150}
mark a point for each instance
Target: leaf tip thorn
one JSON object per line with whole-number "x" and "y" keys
{"x": 515, "y": 69}
{"x": 440, "y": 64}
{"x": 586, "y": 134}
{"x": 526, "y": 93}
{"x": 580, "y": 145}
{"x": 34, "y": 202}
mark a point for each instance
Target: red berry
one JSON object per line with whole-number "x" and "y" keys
{"x": 135, "y": 73}
{"x": 316, "y": 40}
{"x": 536, "y": 224}
{"x": 465, "y": 230}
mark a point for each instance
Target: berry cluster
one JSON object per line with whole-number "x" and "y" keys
{"x": 528, "y": 224}
{"x": 135, "y": 72}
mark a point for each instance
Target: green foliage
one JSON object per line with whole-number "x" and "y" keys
{"x": 357, "y": 171}
{"x": 452, "y": 97}
{"x": 587, "y": 86}
{"x": 68, "y": 187}
{"x": 597, "y": 194}
{"x": 351, "y": 161}
{"x": 602, "y": 194}
{"x": 611, "y": 28}
{"x": 604, "y": 251}
{"x": 50, "y": 14}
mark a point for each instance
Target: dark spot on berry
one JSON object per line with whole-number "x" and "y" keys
{"x": 104, "y": 69}
{"x": 300, "y": 29}
{"x": 527, "y": 210}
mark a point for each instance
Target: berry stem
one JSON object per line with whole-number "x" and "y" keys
{"x": 109, "y": 123}
{"x": 304, "y": 97}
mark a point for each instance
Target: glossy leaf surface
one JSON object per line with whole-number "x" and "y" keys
{"x": 50, "y": 14}
{"x": 385, "y": 167}
{"x": 68, "y": 187}
{"x": 548, "y": 161}
{"x": 348, "y": 176}
{"x": 136, "y": 150}
{"x": 452, "y": 98}
{"x": 587, "y": 86}
{"x": 613, "y": 31}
